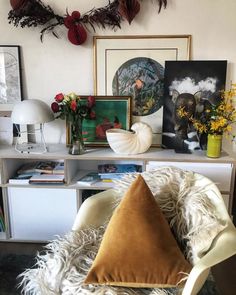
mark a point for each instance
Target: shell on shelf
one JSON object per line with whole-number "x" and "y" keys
{"x": 132, "y": 142}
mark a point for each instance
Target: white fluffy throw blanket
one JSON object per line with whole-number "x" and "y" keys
{"x": 62, "y": 268}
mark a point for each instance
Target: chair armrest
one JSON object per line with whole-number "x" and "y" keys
{"x": 223, "y": 247}
{"x": 95, "y": 210}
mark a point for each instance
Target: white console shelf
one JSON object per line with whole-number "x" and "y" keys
{"x": 39, "y": 212}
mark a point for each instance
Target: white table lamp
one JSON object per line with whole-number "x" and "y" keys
{"x": 31, "y": 112}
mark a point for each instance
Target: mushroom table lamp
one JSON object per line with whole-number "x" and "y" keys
{"x": 26, "y": 115}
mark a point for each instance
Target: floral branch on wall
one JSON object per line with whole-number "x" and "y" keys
{"x": 33, "y": 13}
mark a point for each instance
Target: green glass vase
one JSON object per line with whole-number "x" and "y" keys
{"x": 214, "y": 144}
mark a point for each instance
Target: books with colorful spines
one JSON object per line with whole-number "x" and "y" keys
{"x": 89, "y": 179}
{"x": 47, "y": 179}
{"x": 119, "y": 168}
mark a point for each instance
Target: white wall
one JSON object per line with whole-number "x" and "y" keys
{"x": 56, "y": 65}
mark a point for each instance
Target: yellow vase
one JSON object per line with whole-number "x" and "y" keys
{"x": 214, "y": 144}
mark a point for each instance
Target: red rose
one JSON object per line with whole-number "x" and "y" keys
{"x": 91, "y": 101}
{"x": 73, "y": 105}
{"x": 92, "y": 115}
{"x": 55, "y": 107}
{"x": 59, "y": 97}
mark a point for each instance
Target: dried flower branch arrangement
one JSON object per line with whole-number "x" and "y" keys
{"x": 33, "y": 13}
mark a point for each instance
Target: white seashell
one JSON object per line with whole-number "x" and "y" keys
{"x": 130, "y": 143}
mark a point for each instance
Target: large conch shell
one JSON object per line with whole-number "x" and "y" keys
{"x": 130, "y": 143}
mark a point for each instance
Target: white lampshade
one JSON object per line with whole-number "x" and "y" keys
{"x": 31, "y": 111}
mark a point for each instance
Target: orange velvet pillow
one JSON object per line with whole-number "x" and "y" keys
{"x": 138, "y": 248}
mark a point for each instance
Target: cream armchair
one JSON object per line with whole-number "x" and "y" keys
{"x": 98, "y": 208}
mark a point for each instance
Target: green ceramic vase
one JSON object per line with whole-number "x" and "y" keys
{"x": 214, "y": 144}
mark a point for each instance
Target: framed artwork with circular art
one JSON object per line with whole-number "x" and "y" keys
{"x": 134, "y": 66}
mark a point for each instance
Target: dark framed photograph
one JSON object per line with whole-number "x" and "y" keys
{"x": 10, "y": 77}
{"x": 189, "y": 86}
{"x": 111, "y": 112}
{"x": 134, "y": 66}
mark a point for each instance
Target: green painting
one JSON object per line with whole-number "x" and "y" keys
{"x": 111, "y": 112}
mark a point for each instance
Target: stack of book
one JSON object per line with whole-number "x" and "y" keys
{"x": 39, "y": 172}
{"x": 109, "y": 172}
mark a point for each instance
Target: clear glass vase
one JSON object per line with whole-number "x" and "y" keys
{"x": 76, "y": 146}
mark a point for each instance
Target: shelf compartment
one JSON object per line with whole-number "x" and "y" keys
{"x": 41, "y": 213}
{"x": 78, "y": 168}
{"x": 11, "y": 166}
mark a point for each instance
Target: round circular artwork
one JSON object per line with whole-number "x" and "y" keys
{"x": 142, "y": 78}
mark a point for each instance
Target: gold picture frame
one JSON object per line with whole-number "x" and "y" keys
{"x": 111, "y": 53}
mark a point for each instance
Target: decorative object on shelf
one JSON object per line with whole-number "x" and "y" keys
{"x": 111, "y": 112}
{"x": 190, "y": 88}
{"x": 31, "y": 112}
{"x": 134, "y": 65}
{"x": 130, "y": 143}
{"x": 74, "y": 109}
{"x": 216, "y": 120}
{"x": 10, "y": 78}
{"x": 33, "y": 13}
{"x": 214, "y": 145}
{"x": 76, "y": 147}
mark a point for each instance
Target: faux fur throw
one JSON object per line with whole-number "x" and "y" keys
{"x": 62, "y": 268}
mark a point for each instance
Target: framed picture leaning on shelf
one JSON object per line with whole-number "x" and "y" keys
{"x": 134, "y": 65}
{"x": 191, "y": 88}
{"x": 111, "y": 112}
{"x": 10, "y": 89}
{"x": 10, "y": 77}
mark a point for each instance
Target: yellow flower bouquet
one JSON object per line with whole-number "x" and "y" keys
{"x": 216, "y": 118}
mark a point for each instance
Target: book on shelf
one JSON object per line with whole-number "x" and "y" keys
{"x": 107, "y": 180}
{"x": 46, "y": 167}
{"x": 119, "y": 168}
{"x": 59, "y": 168}
{"x": 111, "y": 175}
{"x": 27, "y": 168}
{"x": 22, "y": 178}
{"x": 89, "y": 179}
{"x": 47, "y": 179}
{"x": 2, "y": 221}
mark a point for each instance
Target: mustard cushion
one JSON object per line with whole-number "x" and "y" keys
{"x": 138, "y": 248}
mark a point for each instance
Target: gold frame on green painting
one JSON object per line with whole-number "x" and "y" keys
{"x": 115, "y": 110}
